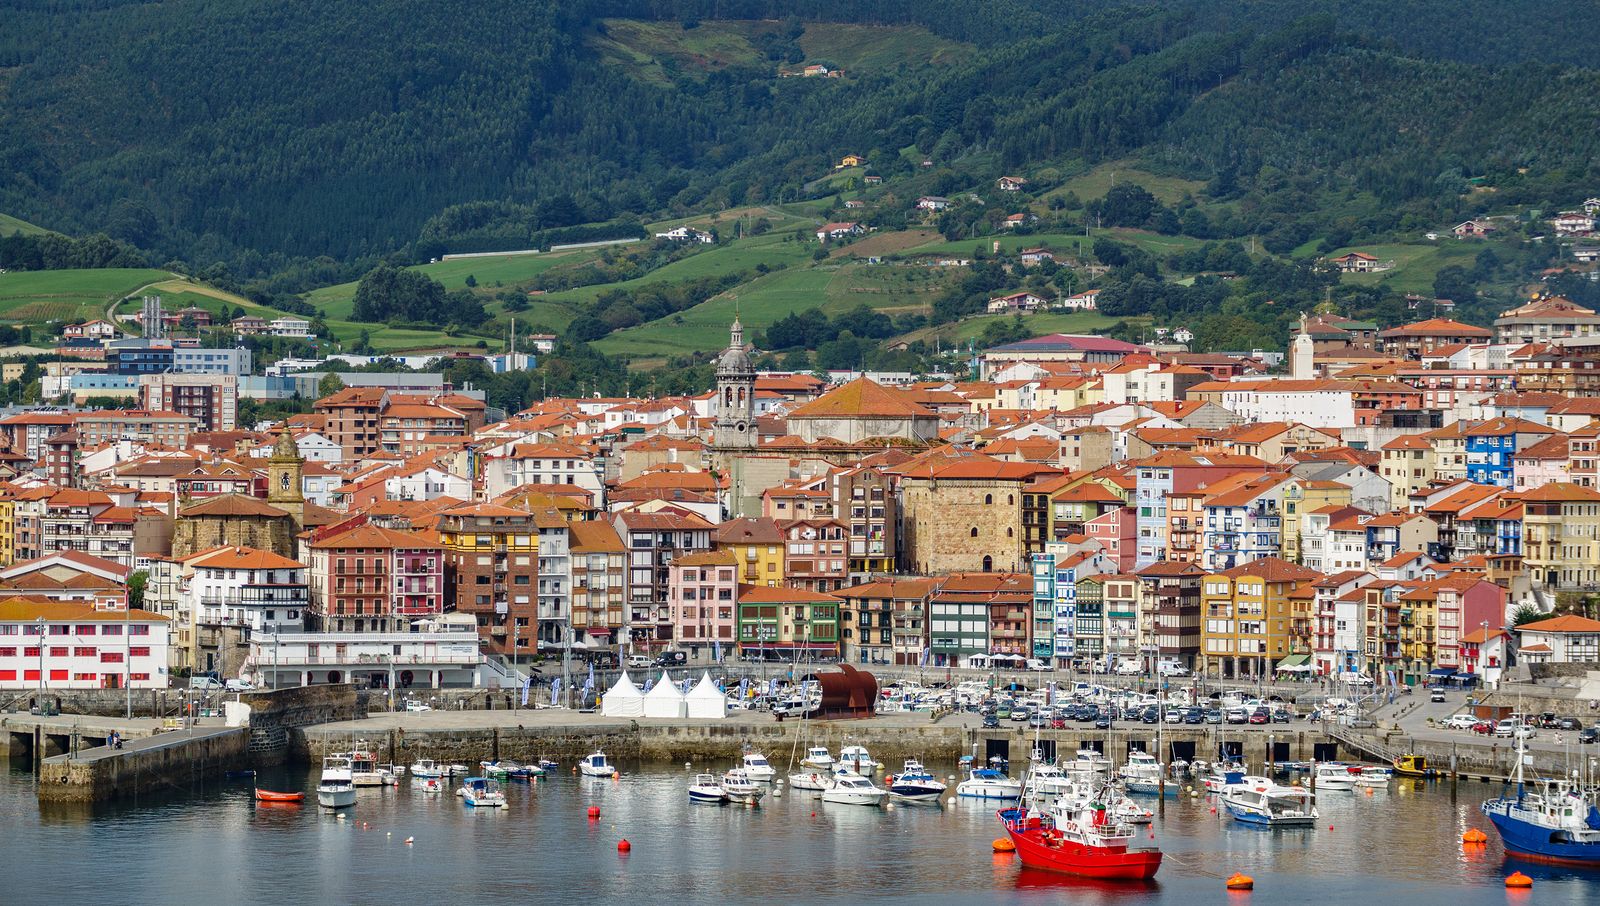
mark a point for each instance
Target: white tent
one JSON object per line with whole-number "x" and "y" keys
{"x": 623, "y": 700}
{"x": 706, "y": 700}
{"x": 663, "y": 699}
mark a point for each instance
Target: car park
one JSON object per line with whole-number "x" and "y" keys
{"x": 1259, "y": 716}
{"x": 1461, "y": 722}
{"x": 1173, "y": 716}
{"x": 1213, "y": 716}
{"x": 1019, "y": 714}
{"x": 991, "y": 722}
{"x": 1237, "y": 716}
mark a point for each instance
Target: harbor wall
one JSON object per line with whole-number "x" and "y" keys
{"x": 168, "y": 761}
{"x": 712, "y": 741}
{"x": 277, "y": 714}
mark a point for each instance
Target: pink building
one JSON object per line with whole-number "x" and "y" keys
{"x": 702, "y": 594}
{"x": 1115, "y": 531}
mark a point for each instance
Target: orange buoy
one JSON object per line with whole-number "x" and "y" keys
{"x": 594, "y": 811}
{"x": 1241, "y": 881}
{"x": 1474, "y": 837}
{"x": 1004, "y": 845}
{"x": 624, "y": 846}
{"x": 1519, "y": 881}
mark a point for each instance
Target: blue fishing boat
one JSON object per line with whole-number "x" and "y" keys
{"x": 1557, "y": 822}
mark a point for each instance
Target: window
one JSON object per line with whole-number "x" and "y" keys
{"x": 974, "y": 532}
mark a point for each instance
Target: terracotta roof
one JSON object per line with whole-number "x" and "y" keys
{"x": 594, "y": 537}
{"x": 243, "y": 558}
{"x": 372, "y": 536}
{"x": 1437, "y": 327}
{"x": 24, "y": 609}
{"x": 763, "y": 594}
{"x": 748, "y": 530}
{"x": 1559, "y": 492}
{"x": 862, "y": 398}
{"x": 1273, "y": 569}
{"x": 1564, "y": 623}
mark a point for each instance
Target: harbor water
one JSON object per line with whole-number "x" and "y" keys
{"x": 215, "y": 844}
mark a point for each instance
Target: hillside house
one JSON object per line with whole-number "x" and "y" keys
{"x": 849, "y": 160}
{"x": 872, "y": 180}
{"x": 686, "y": 234}
{"x": 1010, "y": 183}
{"x": 1088, "y": 300}
{"x": 96, "y": 329}
{"x": 1572, "y": 223}
{"x": 839, "y": 230}
{"x": 1472, "y": 229}
{"x": 1031, "y": 257}
{"x": 932, "y": 203}
{"x": 1355, "y": 262}
{"x": 1023, "y": 301}
{"x": 1017, "y": 220}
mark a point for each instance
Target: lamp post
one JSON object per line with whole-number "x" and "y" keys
{"x": 41, "y": 624}
{"x": 127, "y": 656}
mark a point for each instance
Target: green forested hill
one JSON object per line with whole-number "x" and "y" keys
{"x": 262, "y": 133}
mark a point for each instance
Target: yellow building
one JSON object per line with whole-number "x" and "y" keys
{"x": 757, "y": 545}
{"x": 8, "y": 526}
{"x": 1408, "y": 465}
{"x": 1561, "y": 536}
{"x": 1248, "y": 616}
{"x": 1305, "y": 496}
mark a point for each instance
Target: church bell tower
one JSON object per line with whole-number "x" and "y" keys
{"x": 736, "y": 396}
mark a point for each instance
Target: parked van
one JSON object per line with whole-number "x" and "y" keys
{"x": 1129, "y": 668}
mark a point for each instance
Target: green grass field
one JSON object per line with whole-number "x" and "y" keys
{"x": 1095, "y": 182}
{"x": 1156, "y": 244}
{"x": 1040, "y": 323}
{"x": 658, "y": 52}
{"x": 1415, "y": 264}
{"x": 10, "y": 225}
{"x": 39, "y": 297}
{"x": 337, "y": 302}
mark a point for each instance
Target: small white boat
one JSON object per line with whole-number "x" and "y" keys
{"x": 1126, "y": 810}
{"x": 850, "y": 788}
{"x": 988, "y": 783}
{"x": 815, "y": 781}
{"x": 1088, "y": 762}
{"x": 456, "y": 770}
{"x": 494, "y": 770}
{"x": 1373, "y": 777}
{"x": 364, "y": 769}
{"x": 1274, "y": 806}
{"x": 1143, "y": 775}
{"x": 915, "y": 783}
{"x": 428, "y": 784}
{"x": 740, "y": 787}
{"x": 1333, "y": 776}
{"x": 857, "y": 759}
{"x": 756, "y": 766}
{"x": 706, "y": 789}
{"x": 482, "y": 792}
{"x": 426, "y": 768}
{"x": 334, "y": 790}
{"x": 817, "y": 757}
{"x": 595, "y": 764}
{"x": 390, "y": 774}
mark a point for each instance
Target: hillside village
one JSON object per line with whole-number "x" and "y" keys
{"x": 1392, "y": 504}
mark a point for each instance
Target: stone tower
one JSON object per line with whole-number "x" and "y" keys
{"x": 1302, "y": 355}
{"x": 284, "y": 470}
{"x": 736, "y": 396}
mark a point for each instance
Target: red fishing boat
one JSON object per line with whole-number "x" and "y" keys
{"x": 1082, "y": 840}
{"x": 270, "y": 796}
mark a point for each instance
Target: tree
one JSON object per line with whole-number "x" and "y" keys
{"x": 136, "y": 584}
{"x": 329, "y": 385}
{"x": 1526, "y": 613}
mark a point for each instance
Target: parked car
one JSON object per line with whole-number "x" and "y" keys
{"x": 239, "y": 685}
{"x": 1237, "y": 716}
{"x": 1437, "y": 695}
{"x": 1038, "y": 721}
{"x": 1173, "y": 716}
{"x": 1588, "y": 735}
{"x": 1213, "y": 716}
{"x": 638, "y": 660}
{"x": 990, "y": 722}
{"x": 1461, "y": 722}
{"x": 1103, "y": 722}
{"x": 1194, "y": 715}
{"x": 1282, "y": 716}
{"x": 1168, "y": 668}
{"x": 1484, "y": 727}
{"x": 1569, "y": 723}
{"x": 1020, "y": 714}
{"x": 672, "y": 659}
{"x": 205, "y": 684}
{"x": 1259, "y": 716}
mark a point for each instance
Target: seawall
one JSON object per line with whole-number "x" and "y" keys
{"x": 166, "y": 761}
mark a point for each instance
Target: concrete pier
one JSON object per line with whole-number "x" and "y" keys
{"x": 154, "y": 763}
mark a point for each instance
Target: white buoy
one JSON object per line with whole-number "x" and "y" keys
{"x": 888, "y": 807}
{"x": 687, "y": 765}
{"x": 777, "y": 794}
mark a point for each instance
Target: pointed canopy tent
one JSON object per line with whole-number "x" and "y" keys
{"x": 663, "y": 699}
{"x": 623, "y": 700}
{"x": 706, "y": 700}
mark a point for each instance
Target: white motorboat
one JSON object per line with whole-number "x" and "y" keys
{"x": 595, "y": 765}
{"x": 456, "y": 770}
{"x": 334, "y": 790}
{"x": 494, "y": 770}
{"x": 756, "y": 766}
{"x": 428, "y": 784}
{"x": 850, "y": 788}
{"x": 817, "y": 757}
{"x": 1373, "y": 777}
{"x": 915, "y": 783}
{"x": 426, "y": 768}
{"x": 740, "y": 787}
{"x": 1088, "y": 762}
{"x": 988, "y": 783}
{"x": 482, "y": 792}
{"x": 857, "y": 759}
{"x": 1046, "y": 783}
{"x": 815, "y": 781}
{"x": 364, "y": 769}
{"x": 1333, "y": 776}
{"x": 1274, "y": 806}
{"x": 705, "y": 788}
{"x": 1126, "y": 810}
{"x": 1143, "y": 775}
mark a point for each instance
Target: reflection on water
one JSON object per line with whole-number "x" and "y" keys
{"x": 217, "y": 844}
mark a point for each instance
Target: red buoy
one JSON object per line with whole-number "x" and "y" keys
{"x": 594, "y": 811}
{"x": 623, "y": 845}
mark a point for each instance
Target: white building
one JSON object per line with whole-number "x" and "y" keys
{"x": 86, "y": 646}
{"x": 551, "y": 463}
{"x": 441, "y": 654}
{"x": 290, "y": 327}
{"x": 427, "y": 484}
{"x": 255, "y": 590}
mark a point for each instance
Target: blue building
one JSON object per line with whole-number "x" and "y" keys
{"x": 1492, "y": 448}
{"x": 1044, "y": 606}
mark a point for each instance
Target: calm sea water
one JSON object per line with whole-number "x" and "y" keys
{"x": 215, "y": 845}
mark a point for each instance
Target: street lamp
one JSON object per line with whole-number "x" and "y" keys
{"x": 41, "y": 625}
{"x": 127, "y": 655}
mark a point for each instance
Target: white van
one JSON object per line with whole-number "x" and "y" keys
{"x": 1128, "y": 668}
{"x": 1171, "y": 668}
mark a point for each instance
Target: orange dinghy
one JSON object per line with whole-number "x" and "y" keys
{"x": 269, "y": 796}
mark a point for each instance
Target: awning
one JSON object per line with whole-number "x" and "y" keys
{"x": 1295, "y": 663}
{"x": 1442, "y": 671}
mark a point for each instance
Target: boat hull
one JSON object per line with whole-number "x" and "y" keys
{"x": 269, "y": 796}
{"x": 710, "y": 798}
{"x": 853, "y": 797}
{"x": 815, "y": 781}
{"x": 1534, "y": 843}
{"x": 1069, "y": 857}
{"x": 1256, "y": 819}
{"x": 336, "y": 797}
{"x": 1151, "y": 788}
{"x": 971, "y": 790}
